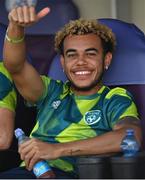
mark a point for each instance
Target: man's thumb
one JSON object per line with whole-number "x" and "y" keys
{"x": 43, "y": 13}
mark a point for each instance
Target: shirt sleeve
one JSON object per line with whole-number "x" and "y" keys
{"x": 52, "y": 87}
{"x": 119, "y": 104}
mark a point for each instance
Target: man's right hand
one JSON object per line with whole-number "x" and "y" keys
{"x": 26, "y": 16}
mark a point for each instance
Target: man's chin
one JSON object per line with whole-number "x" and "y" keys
{"x": 83, "y": 88}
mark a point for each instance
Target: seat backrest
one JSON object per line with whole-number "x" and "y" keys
{"x": 129, "y": 58}
{"x": 56, "y": 67}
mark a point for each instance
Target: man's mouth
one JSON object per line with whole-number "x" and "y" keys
{"x": 82, "y": 72}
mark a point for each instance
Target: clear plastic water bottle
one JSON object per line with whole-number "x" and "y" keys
{"x": 10, "y": 4}
{"x": 129, "y": 144}
{"x": 41, "y": 169}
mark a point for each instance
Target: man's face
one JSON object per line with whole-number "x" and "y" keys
{"x": 83, "y": 61}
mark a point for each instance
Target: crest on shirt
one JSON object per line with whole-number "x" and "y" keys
{"x": 55, "y": 104}
{"x": 92, "y": 117}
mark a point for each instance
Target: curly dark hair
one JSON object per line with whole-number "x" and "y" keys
{"x": 82, "y": 27}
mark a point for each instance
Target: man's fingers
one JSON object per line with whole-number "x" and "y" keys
{"x": 26, "y": 16}
{"x": 13, "y": 15}
{"x": 32, "y": 14}
{"x": 43, "y": 13}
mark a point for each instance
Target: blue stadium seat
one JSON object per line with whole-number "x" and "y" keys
{"x": 130, "y": 53}
{"x": 56, "y": 67}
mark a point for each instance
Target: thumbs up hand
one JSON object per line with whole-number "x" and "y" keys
{"x": 26, "y": 16}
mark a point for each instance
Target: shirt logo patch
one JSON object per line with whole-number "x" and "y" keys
{"x": 92, "y": 117}
{"x": 56, "y": 104}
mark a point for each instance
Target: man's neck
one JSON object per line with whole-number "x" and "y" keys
{"x": 87, "y": 92}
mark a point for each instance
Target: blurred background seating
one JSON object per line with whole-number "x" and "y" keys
{"x": 2, "y": 37}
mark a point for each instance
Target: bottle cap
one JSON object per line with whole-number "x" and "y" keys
{"x": 18, "y": 132}
{"x": 130, "y": 131}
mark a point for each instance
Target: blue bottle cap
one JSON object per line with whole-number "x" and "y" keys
{"x": 130, "y": 131}
{"x": 18, "y": 132}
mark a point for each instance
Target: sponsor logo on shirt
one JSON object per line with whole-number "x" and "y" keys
{"x": 92, "y": 117}
{"x": 56, "y": 104}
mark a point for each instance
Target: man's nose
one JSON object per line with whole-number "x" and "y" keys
{"x": 82, "y": 60}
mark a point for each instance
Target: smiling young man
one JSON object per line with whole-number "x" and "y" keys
{"x": 79, "y": 117}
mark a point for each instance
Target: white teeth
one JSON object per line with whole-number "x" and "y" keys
{"x": 82, "y": 72}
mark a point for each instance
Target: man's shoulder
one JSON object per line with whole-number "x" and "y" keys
{"x": 118, "y": 91}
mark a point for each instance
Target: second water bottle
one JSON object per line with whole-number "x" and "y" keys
{"x": 130, "y": 145}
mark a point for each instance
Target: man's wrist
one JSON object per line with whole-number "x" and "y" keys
{"x": 15, "y": 34}
{"x": 15, "y": 40}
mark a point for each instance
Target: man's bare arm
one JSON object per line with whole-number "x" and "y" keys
{"x": 106, "y": 143}
{"x": 26, "y": 78}
{"x": 6, "y": 128}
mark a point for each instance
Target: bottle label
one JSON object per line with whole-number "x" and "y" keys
{"x": 40, "y": 168}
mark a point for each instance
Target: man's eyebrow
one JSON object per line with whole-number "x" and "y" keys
{"x": 86, "y": 50}
{"x": 70, "y": 50}
{"x": 91, "y": 49}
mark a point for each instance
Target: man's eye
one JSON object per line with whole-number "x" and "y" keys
{"x": 91, "y": 54}
{"x": 71, "y": 55}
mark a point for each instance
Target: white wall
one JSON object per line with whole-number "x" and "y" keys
{"x": 93, "y": 9}
{"x": 138, "y": 13}
{"x": 128, "y": 10}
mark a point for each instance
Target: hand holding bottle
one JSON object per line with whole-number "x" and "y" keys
{"x": 34, "y": 150}
{"x": 41, "y": 168}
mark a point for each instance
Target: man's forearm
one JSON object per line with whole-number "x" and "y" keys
{"x": 106, "y": 143}
{"x": 109, "y": 142}
{"x": 6, "y": 128}
{"x": 14, "y": 53}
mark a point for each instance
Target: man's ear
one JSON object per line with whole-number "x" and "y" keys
{"x": 107, "y": 60}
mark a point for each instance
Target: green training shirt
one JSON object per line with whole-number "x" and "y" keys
{"x": 7, "y": 92}
{"x": 64, "y": 117}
